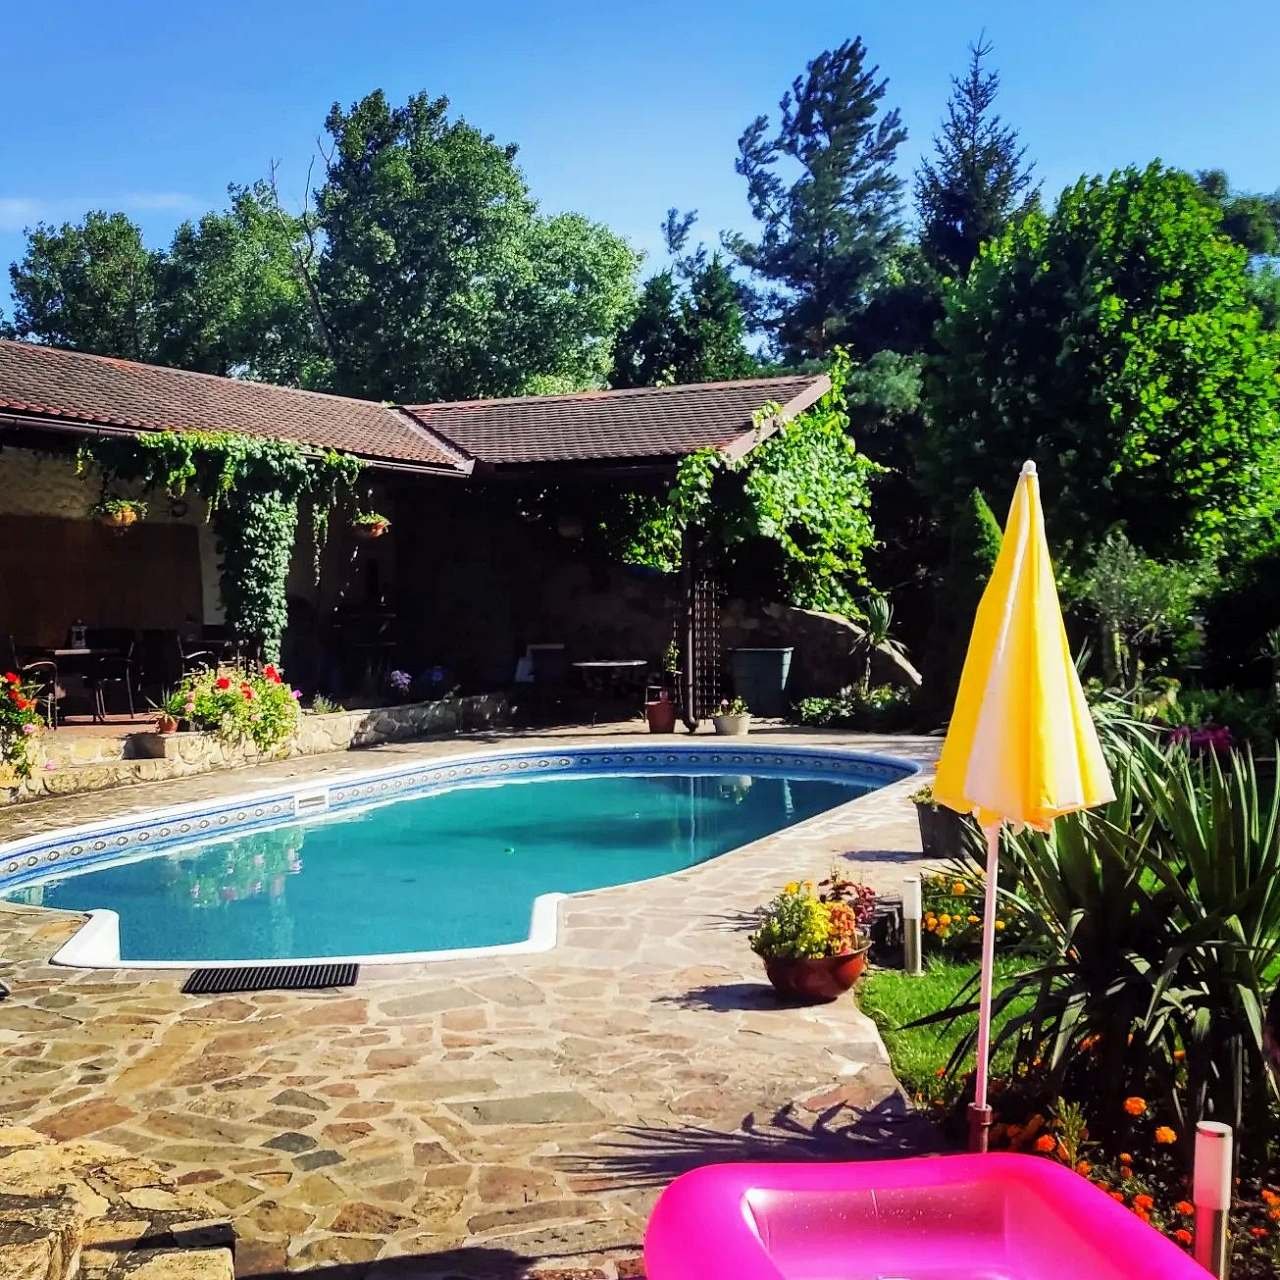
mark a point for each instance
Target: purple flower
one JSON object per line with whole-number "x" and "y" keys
{"x": 297, "y": 695}
{"x": 28, "y": 729}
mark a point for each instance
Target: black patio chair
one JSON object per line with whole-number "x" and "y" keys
{"x": 117, "y": 670}
{"x": 41, "y": 671}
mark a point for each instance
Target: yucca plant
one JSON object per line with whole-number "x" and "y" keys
{"x": 1219, "y": 826}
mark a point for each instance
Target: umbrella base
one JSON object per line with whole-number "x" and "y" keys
{"x": 980, "y": 1120}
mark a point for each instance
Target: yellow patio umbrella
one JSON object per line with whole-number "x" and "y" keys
{"x": 1021, "y": 747}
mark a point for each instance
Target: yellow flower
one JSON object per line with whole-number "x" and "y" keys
{"x": 944, "y": 918}
{"x": 793, "y": 887}
{"x": 1165, "y": 1136}
{"x": 972, "y": 919}
{"x": 959, "y": 887}
{"x": 1135, "y": 1106}
{"x": 999, "y": 925}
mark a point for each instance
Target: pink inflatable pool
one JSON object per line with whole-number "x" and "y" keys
{"x": 989, "y": 1217}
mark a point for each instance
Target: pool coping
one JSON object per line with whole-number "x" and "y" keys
{"x": 95, "y": 945}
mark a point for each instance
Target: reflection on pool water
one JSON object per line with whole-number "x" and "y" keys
{"x": 458, "y": 867}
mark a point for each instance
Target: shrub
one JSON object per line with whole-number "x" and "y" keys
{"x": 20, "y": 721}
{"x": 880, "y": 709}
{"x": 238, "y": 706}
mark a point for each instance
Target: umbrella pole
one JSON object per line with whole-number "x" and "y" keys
{"x": 980, "y": 1114}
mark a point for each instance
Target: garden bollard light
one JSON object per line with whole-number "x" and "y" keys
{"x": 912, "y": 959}
{"x": 1211, "y": 1194}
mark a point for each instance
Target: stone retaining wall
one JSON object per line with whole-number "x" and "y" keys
{"x": 87, "y": 763}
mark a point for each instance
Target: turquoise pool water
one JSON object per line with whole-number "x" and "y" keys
{"x": 457, "y": 867}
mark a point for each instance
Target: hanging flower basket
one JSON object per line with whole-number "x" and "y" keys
{"x": 118, "y": 514}
{"x": 368, "y": 525}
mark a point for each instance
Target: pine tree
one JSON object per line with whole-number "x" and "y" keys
{"x": 827, "y": 235}
{"x": 688, "y": 325}
{"x": 980, "y": 176}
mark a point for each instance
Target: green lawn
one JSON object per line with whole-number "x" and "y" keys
{"x": 893, "y": 999}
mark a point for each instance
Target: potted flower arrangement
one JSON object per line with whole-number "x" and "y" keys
{"x": 238, "y": 705}
{"x": 814, "y": 945}
{"x": 733, "y": 719}
{"x": 367, "y": 525}
{"x": 117, "y": 514}
{"x": 20, "y": 721}
{"x": 941, "y": 829}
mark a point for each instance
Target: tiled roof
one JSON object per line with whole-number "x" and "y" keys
{"x": 648, "y": 422}
{"x": 47, "y": 382}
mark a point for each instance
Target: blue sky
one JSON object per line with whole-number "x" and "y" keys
{"x": 620, "y": 110}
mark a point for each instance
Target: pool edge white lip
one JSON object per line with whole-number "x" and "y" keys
{"x": 96, "y": 945}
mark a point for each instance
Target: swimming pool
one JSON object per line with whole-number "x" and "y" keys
{"x": 465, "y": 854}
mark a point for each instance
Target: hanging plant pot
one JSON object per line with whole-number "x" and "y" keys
{"x": 367, "y": 529}
{"x": 118, "y": 520}
{"x": 118, "y": 514}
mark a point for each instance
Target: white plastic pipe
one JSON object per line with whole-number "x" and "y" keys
{"x": 1211, "y": 1195}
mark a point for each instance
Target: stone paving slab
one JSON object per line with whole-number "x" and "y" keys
{"x": 499, "y": 1117}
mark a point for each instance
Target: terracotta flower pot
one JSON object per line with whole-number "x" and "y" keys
{"x": 367, "y": 532}
{"x": 816, "y": 981}
{"x": 165, "y": 723}
{"x": 661, "y": 716}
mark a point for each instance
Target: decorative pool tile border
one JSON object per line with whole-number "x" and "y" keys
{"x": 36, "y": 857}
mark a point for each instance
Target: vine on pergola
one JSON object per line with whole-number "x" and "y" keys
{"x": 805, "y": 489}
{"x": 253, "y": 486}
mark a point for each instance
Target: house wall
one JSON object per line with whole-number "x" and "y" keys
{"x": 36, "y": 489}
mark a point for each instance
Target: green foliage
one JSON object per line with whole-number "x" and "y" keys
{"x": 1139, "y": 603}
{"x": 804, "y": 490}
{"x": 88, "y": 285}
{"x": 1113, "y": 341}
{"x": 231, "y": 300}
{"x": 975, "y": 545}
{"x": 828, "y": 231}
{"x": 876, "y": 634}
{"x": 110, "y": 505}
{"x": 688, "y": 325}
{"x": 882, "y": 708}
{"x": 253, "y": 486}
{"x": 980, "y": 177}
{"x": 1251, "y": 220}
{"x": 1251, "y": 715}
{"x": 239, "y": 706}
{"x": 1238, "y": 614}
{"x": 439, "y": 277}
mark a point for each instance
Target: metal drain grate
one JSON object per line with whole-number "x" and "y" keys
{"x": 271, "y": 977}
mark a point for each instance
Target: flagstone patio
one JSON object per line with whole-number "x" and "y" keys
{"x": 481, "y": 1118}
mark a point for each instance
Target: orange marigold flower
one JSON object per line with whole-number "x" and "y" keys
{"x": 1125, "y": 1158}
{"x": 1143, "y": 1202}
{"x": 1165, "y": 1136}
{"x": 1179, "y": 1055}
{"x": 1126, "y": 1171}
{"x": 1135, "y": 1106}
{"x": 1083, "y": 1168}
{"x": 1185, "y": 1207}
{"x": 1117, "y": 1195}
{"x": 1270, "y": 1197}
{"x": 1045, "y": 1142}
{"x": 1182, "y": 1235}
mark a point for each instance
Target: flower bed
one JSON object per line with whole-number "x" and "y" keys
{"x": 238, "y": 705}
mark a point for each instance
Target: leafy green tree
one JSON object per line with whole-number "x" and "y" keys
{"x": 1250, "y": 219}
{"x": 231, "y": 299}
{"x": 1139, "y": 603}
{"x": 90, "y": 286}
{"x": 979, "y": 177}
{"x": 439, "y": 278}
{"x": 1114, "y": 342}
{"x": 827, "y": 232}
{"x": 975, "y": 545}
{"x": 688, "y": 325}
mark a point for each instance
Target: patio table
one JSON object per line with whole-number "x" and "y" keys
{"x": 612, "y": 677}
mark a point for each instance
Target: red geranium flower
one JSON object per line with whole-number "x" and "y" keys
{"x": 222, "y": 683}
{"x": 271, "y": 673}
{"x": 247, "y": 692}
{"x": 11, "y": 678}
{"x": 23, "y": 704}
